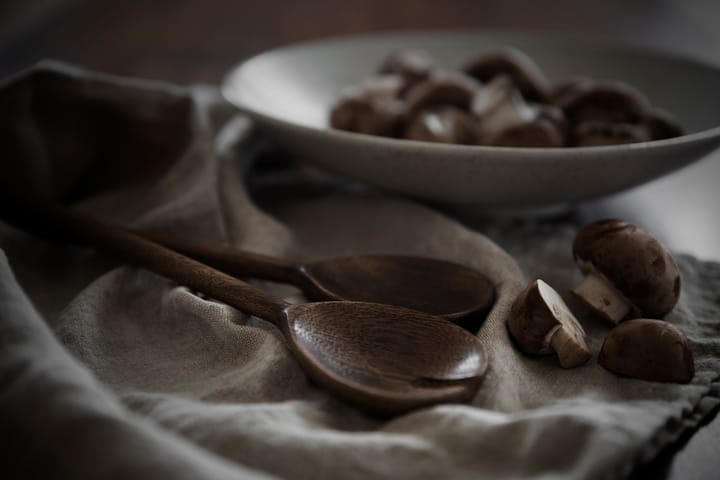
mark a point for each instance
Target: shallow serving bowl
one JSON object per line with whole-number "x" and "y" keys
{"x": 288, "y": 91}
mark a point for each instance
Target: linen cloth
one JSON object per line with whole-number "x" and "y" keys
{"x": 116, "y": 372}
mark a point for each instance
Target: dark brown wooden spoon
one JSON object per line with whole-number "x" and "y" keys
{"x": 384, "y": 359}
{"x": 433, "y": 286}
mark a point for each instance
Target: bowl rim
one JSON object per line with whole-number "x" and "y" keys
{"x": 587, "y": 40}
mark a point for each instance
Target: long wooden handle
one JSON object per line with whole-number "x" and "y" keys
{"x": 234, "y": 262}
{"x": 45, "y": 218}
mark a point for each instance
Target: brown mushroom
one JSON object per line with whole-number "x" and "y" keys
{"x": 564, "y": 91}
{"x": 412, "y": 65}
{"x": 627, "y": 271}
{"x": 594, "y": 133}
{"x": 555, "y": 116}
{"x": 541, "y": 323}
{"x": 442, "y": 88}
{"x": 371, "y": 107}
{"x": 445, "y": 124}
{"x": 604, "y": 101}
{"x": 663, "y": 125}
{"x": 648, "y": 349}
{"x": 520, "y": 68}
{"x": 505, "y": 119}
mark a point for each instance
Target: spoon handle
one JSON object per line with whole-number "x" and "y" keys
{"x": 50, "y": 220}
{"x": 233, "y": 261}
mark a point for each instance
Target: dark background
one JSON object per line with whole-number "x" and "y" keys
{"x": 197, "y": 41}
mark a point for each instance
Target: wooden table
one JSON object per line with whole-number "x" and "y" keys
{"x": 198, "y": 41}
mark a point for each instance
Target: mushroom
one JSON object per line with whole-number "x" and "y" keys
{"x": 507, "y": 120}
{"x": 627, "y": 271}
{"x": 604, "y": 101}
{"x": 442, "y": 88}
{"x": 412, "y": 65}
{"x": 520, "y": 68}
{"x": 541, "y": 323}
{"x": 445, "y": 124}
{"x": 648, "y": 349}
{"x": 594, "y": 133}
{"x": 663, "y": 125}
{"x": 563, "y": 91}
{"x": 371, "y": 107}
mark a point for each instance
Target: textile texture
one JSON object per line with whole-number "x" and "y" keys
{"x": 115, "y": 372}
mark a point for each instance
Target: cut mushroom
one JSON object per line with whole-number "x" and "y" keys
{"x": 446, "y": 125}
{"x": 648, "y": 349}
{"x": 541, "y": 323}
{"x": 371, "y": 107}
{"x": 627, "y": 271}
{"x": 507, "y": 120}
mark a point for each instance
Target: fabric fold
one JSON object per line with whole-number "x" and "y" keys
{"x": 179, "y": 385}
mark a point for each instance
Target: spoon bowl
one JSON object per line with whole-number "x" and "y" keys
{"x": 430, "y": 285}
{"x": 433, "y": 286}
{"x": 384, "y": 359}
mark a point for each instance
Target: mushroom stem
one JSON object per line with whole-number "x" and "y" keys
{"x": 540, "y": 322}
{"x": 570, "y": 348}
{"x": 602, "y": 297}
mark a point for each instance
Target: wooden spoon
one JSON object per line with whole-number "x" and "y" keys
{"x": 433, "y": 286}
{"x": 384, "y": 359}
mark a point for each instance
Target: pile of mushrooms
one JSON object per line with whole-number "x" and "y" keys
{"x": 499, "y": 98}
{"x": 629, "y": 275}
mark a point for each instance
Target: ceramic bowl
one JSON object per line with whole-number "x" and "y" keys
{"x": 289, "y": 91}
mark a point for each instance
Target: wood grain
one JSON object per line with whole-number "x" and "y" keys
{"x": 433, "y": 286}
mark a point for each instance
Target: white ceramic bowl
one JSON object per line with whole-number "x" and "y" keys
{"x": 288, "y": 91}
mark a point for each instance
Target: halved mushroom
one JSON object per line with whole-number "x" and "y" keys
{"x": 541, "y": 323}
{"x": 371, "y": 107}
{"x": 445, "y": 124}
{"x": 648, "y": 349}
{"x": 520, "y": 68}
{"x": 505, "y": 119}
{"x": 627, "y": 271}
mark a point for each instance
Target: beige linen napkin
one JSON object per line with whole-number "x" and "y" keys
{"x": 165, "y": 383}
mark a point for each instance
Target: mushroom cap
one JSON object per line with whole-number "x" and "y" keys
{"x": 648, "y": 349}
{"x": 367, "y": 115}
{"x": 412, "y": 65}
{"x": 535, "y": 133}
{"x": 633, "y": 261}
{"x": 530, "y": 321}
{"x": 663, "y": 125}
{"x": 523, "y": 71}
{"x": 604, "y": 100}
{"x": 563, "y": 91}
{"x": 535, "y": 315}
{"x": 594, "y": 133}
{"x": 442, "y": 88}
